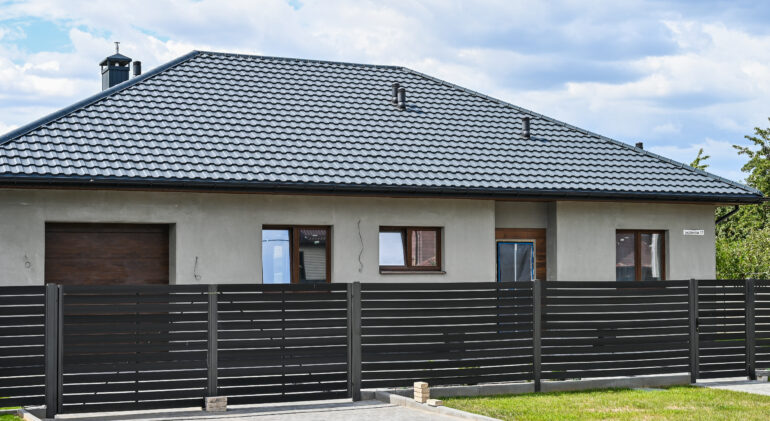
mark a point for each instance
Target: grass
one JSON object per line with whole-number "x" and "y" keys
{"x": 675, "y": 403}
{"x": 9, "y": 418}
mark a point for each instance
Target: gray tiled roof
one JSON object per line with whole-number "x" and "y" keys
{"x": 234, "y": 121}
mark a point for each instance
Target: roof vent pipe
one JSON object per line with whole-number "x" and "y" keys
{"x": 137, "y": 68}
{"x": 394, "y": 97}
{"x": 640, "y": 145}
{"x": 525, "y": 127}
{"x": 401, "y": 98}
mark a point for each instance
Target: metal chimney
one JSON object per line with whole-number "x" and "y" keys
{"x": 394, "y": 97}
{"x": 402, "y": 99}
{"x": 114, "y": 69}
{"x": 137, "y": 68}
{"x": 525, "y": 127}
{"x": 640, "y": 145}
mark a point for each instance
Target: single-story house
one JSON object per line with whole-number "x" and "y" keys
{"x": 229, "y": 168}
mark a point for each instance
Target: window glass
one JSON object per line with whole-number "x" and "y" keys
{"x": 392, "y": 249}
{"x": 424, "y": 248}
{"x": 651, "y": 256}
{"x": 625, "y": 257}
{"x": 312, "y": 255}
{"x": 515, "y": 261}
{"x": 276, "y": 255}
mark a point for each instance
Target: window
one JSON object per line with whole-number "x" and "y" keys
{"x": 296, "y": 254}
{"x": 410, "y": 249}
{"x": 640, "y": 255}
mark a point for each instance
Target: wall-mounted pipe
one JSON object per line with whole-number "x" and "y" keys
{"x": 727, "y": 215}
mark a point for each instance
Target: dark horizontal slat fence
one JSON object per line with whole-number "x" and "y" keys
{"x": 279, "y": 343}
{"x": 95, "y": 348}
{"x": 762, "y": 323}
{"x": 133, "y": 347}
{"x": 448, "y": 333}
{"x": 721, "y": 329}
{"x": 607, "y": 329}
{"x": 22, "y": 342}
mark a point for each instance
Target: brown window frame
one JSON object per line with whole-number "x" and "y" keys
{"x": 407, "y": 267}
{"x": 638, "y": 250}
{"x": 294, "y": 247}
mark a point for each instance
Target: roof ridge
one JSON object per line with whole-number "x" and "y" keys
{"x": 25, "y": 129}
{"x": 584, "y": 131}
{"x": 305, "y": 60}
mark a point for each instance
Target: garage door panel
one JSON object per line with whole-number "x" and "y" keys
{"x": 105, "y": 245}
{"x": 104, "y": 254}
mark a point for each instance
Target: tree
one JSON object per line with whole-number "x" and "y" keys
{"x": 743, "y": 240}
{"x": 758, "y": 166}
{"x": 700, "y": 161}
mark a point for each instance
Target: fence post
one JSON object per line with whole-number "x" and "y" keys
{"x": 354, "y": 340}
{"x": 537, "y": 329}
{"x": 53, "y": 349}
{"x": 693, "y": 315}
{"x": 750, "y": 329}
{"x": 212, "y": 362}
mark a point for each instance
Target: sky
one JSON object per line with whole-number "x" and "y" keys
{"x": 677, "y": 76}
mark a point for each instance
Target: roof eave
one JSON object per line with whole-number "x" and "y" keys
{"x": 369, "y": 190}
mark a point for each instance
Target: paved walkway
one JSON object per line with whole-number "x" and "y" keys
{"x": 326, "y": 411}
{"x": 739, "y": 384}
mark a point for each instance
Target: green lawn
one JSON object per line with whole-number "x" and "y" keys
{"x": 675, "y": 403}
{"x": 9, "y": 418}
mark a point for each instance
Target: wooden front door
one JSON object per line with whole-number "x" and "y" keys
{"x": 106, "y": 254}
{"x": 516, "y": 241}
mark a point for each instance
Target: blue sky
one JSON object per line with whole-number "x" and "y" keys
{"x": 676, "y": 75}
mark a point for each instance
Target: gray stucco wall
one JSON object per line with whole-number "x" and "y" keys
{"x": 585, "y": 238}
{"x": 224, "y": 232}
{"x": 521, "y": 214}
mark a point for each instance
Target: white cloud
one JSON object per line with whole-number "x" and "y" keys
{"x": 667, "y": 128}
{"x": 722, "y": 161}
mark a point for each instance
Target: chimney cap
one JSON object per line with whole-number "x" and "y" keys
{"x": 116, "y": 58}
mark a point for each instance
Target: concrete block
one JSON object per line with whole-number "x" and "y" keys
{"x": 435, "y": 402}
{"x": 482, "y": 390}
{"x": 216, "y": 404}
{"x": 763, "y": 375}
{"x": 616, "y": 382}
{"x": 421, "y": 392}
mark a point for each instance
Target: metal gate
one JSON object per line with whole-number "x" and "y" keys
{"x": 722, "y": 329}
{"x": 146, "y": 347}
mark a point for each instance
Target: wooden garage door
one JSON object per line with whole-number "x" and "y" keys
{"x": 106, "y": 254}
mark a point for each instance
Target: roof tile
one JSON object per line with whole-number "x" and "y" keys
{"x": 251, "y": 119}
